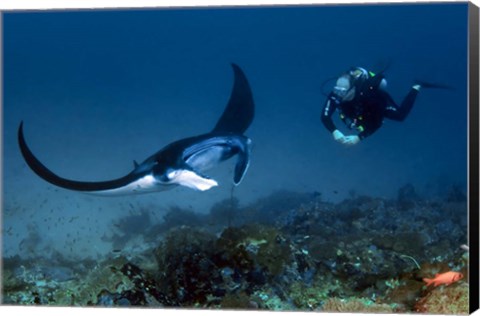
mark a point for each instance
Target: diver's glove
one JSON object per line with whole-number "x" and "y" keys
{"x": 351, "y": 140}
{"x": 338, "y": 136}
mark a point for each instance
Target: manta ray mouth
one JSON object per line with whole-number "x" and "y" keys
{"x": 191, "y": 180}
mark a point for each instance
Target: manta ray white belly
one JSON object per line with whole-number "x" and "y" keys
{"x": 149, "y": 184}
{"x": 145, "y": 184}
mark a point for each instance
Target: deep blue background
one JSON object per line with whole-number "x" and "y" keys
{"x": 98, "y": 89}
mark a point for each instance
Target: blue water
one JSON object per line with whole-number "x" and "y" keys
{"x": 99, "y": 89}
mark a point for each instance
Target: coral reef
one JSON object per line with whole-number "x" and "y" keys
{"x": 198, "y": 268}
{"x": 288, "y": 251}
{"x": 355, "y": 305}
{"x": 451, "y": 299}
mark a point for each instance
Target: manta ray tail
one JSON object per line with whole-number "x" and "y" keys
{"x": 239, "y": 112}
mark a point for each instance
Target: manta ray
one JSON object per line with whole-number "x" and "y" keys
{"x": 182, "y": 162}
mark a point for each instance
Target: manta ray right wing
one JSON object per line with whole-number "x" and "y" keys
{"x": 240, "y": 110}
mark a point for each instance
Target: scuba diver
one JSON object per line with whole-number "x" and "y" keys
{"x": 363, "y": 103}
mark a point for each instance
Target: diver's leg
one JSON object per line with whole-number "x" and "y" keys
{"x": 400, "y": 113}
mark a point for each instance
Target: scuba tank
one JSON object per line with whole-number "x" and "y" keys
{"x": 364, "y": 81}
{"x": 367, "y": 82}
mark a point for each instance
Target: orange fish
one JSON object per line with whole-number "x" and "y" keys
{"x": 446, "y": 278}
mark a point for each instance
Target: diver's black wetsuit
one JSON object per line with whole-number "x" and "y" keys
{"x": 366, "y": 111}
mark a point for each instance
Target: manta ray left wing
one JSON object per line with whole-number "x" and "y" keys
{"x": 54, "y": 179}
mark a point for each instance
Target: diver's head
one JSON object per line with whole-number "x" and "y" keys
{"x": 347, "y": 84}
{"x": 344, "y": 88}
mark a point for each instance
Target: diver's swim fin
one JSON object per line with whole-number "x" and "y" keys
{"x": 431, "y": 85}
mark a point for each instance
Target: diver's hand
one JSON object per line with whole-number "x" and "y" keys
{"x": 338, "y": 136}
{"x": 351, "y": 140}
